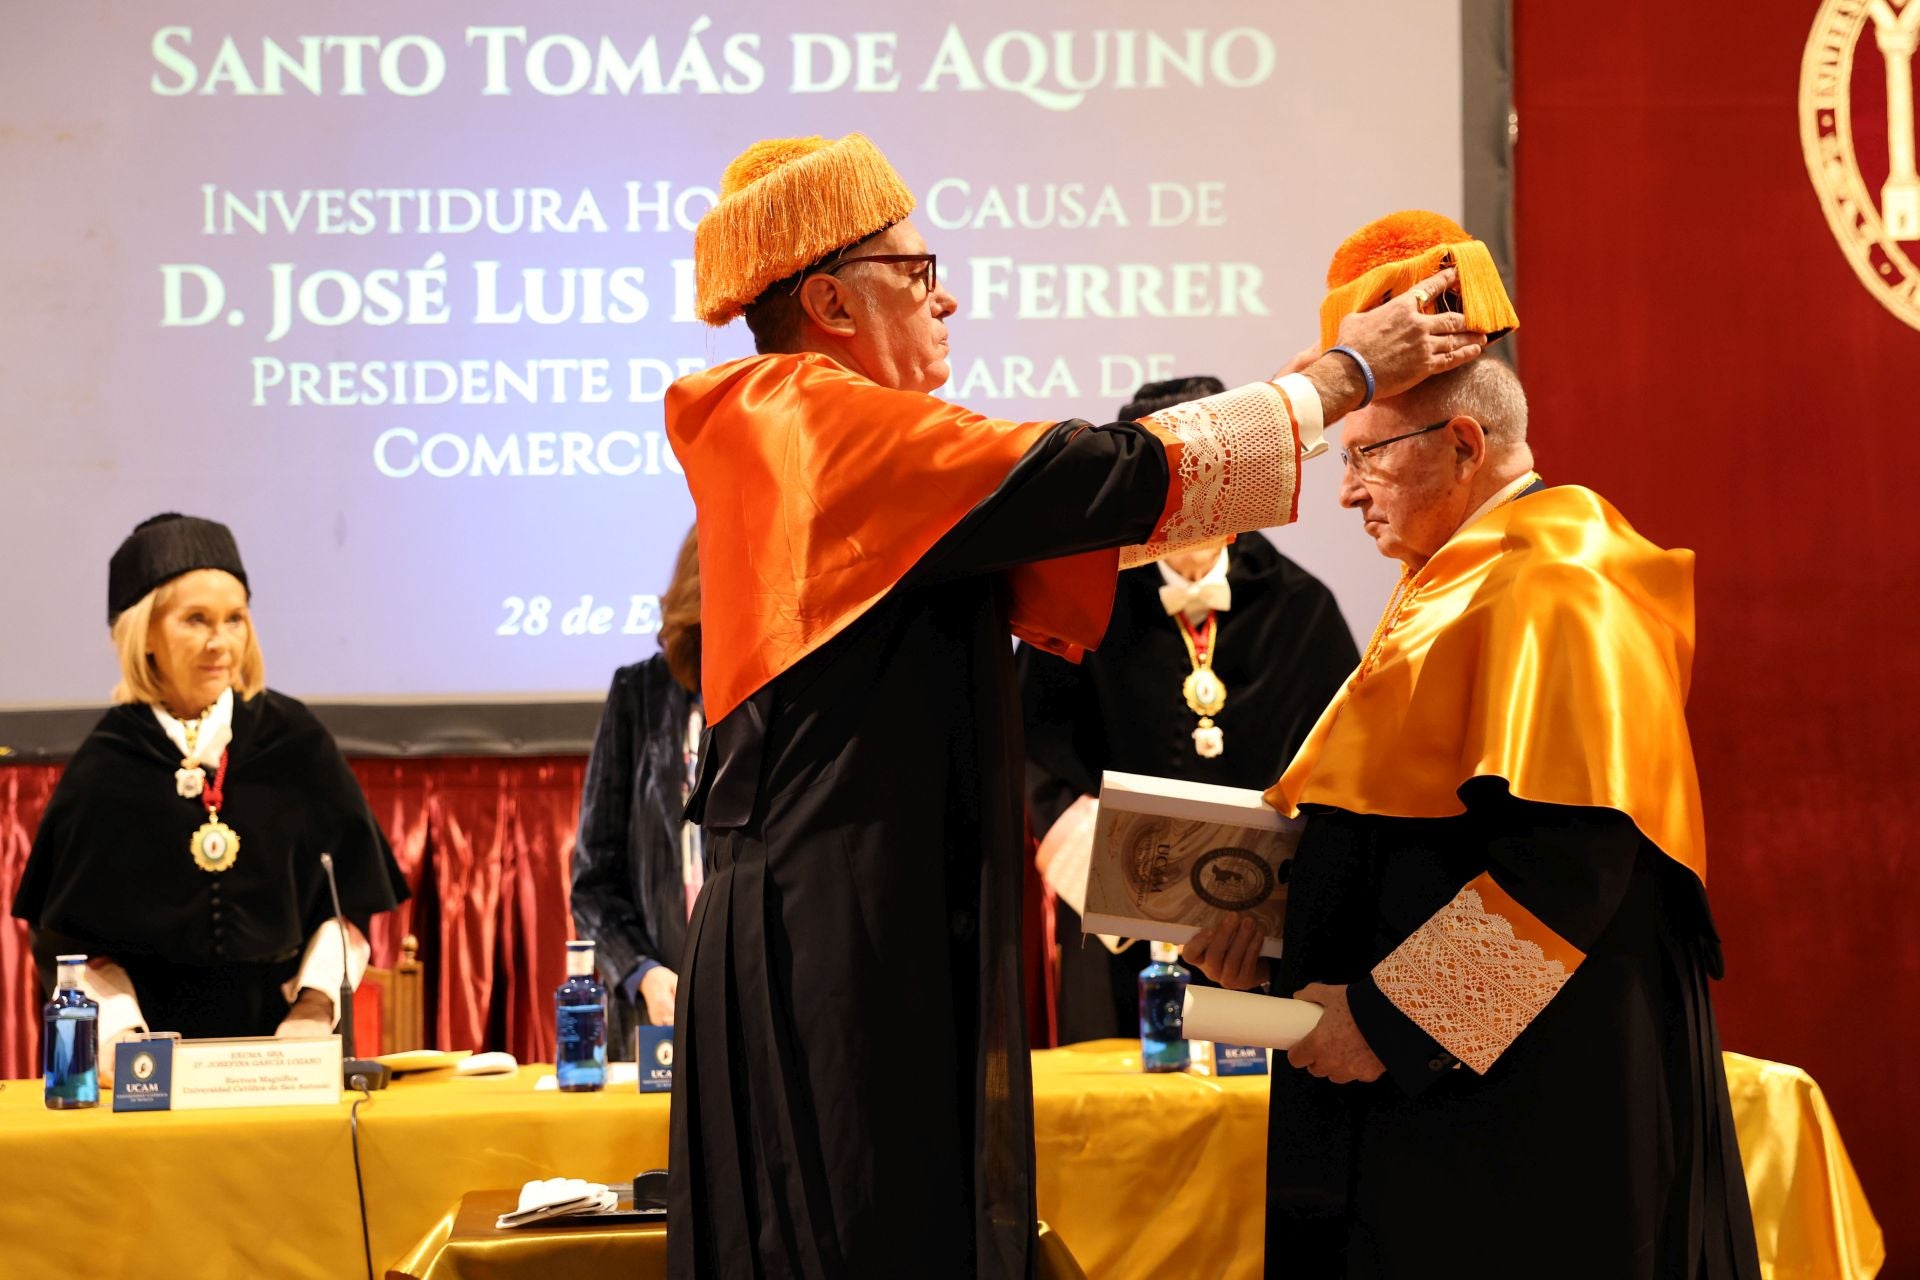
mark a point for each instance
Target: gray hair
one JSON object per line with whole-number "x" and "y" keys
{"x": 1487, "y": 390}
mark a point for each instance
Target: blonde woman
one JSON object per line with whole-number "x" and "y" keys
{"x": 181, "y": 850}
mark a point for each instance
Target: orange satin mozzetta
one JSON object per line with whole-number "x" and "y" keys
{"x": 1548, "y": 644}
{"x": 818, "y": 489}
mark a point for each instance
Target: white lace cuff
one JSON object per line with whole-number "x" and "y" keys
{"x": 1474, "y": 978}
{"x": 1237, "y": 470}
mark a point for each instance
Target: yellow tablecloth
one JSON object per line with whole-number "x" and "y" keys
{"x": 1143, "y": 1176}
{"x": 221, "y": 1195}
{"x": 1809, "y": 1211}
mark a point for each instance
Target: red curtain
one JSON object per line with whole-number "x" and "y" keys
{"x": 485, "y": 844}
{"x": 24, "y": 791}
{"x": 1696, "y": 347}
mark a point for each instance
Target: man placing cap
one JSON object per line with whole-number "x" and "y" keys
{"x": 852, "y": 1097}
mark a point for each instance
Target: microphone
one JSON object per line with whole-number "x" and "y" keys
{"x": 360, "y": 1073}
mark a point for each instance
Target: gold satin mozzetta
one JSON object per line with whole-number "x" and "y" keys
{"x": 1547, "y": 644}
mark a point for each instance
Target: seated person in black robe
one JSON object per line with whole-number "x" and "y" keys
{"x": 1498, "y": 895}
{"x": 1267, "y": 628}
{"x": 181, "y": 849}
{"x": 636, "y": 864}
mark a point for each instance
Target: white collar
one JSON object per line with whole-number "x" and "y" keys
{"x": 216, "y": 731}
{"x": 1507, "y": 494}
{"x": 1218, "y": 573}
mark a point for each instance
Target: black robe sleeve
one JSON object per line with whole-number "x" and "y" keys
{"x": 1568, "y": 867}
{"x": 1079, "y": 488}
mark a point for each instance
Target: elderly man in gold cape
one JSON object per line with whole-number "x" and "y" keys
{"x": 1499, "y": 896}
{"x": 851, "y": 1096}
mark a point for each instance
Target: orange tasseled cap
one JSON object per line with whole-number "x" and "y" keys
{"x": 785, "y": 203}
{"x": 1390, "y": 255}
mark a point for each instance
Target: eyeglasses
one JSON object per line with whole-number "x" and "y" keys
{"x": 928, "y": 275}
{"x": 1358, "y": 456}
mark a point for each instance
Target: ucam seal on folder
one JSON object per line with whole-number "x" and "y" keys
{"x": 1171, "y": 858}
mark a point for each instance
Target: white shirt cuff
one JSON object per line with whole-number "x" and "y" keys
{"x": 120, "y": 1016}
{"x": 323, "y": 966}
{"x": 1309, "y": 415}
{"x": 1067, "y": 851}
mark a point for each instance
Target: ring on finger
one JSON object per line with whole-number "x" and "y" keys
{"x": 1421, "y": 297}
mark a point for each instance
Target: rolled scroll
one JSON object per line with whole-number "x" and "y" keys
{"x": 1243, "y": 1017}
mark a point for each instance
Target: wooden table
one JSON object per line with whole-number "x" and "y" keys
{"x": 466, "y": 1245}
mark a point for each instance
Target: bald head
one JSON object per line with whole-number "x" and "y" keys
{"x": 1487, "y": 390}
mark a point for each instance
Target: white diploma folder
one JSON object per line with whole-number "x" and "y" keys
{"x": 1171, "y": 858}
{"x": 1242, "y": 1017}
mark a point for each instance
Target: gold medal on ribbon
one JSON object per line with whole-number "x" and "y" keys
{"x": 215, "y": 844}
{"x": 1205, "y": 694}
{"x": 1204, "y": 691}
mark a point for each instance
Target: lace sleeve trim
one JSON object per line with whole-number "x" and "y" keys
{"x": 1237, "y": 470}
{"x": 1471, "y": 979}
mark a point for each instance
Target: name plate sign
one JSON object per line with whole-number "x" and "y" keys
{"x": 1239, "y": 1060}
{"x": 1211, "y": 1059}
{"x": 165, "y": 1074}
{"x": 655, "y": 1058}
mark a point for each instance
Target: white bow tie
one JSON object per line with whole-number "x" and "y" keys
{"x": 1179, "y": 597}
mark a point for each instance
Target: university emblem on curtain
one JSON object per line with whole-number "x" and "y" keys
{"x": 1857, "y": 130}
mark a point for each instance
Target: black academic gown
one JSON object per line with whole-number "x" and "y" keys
{"x": 110, "y": 873}
{"x": 1283, "y": 650}
{"x": 1599, "y": 1144}
{"x": 852, "y": 1053}
{"x": 627, "y": 891}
